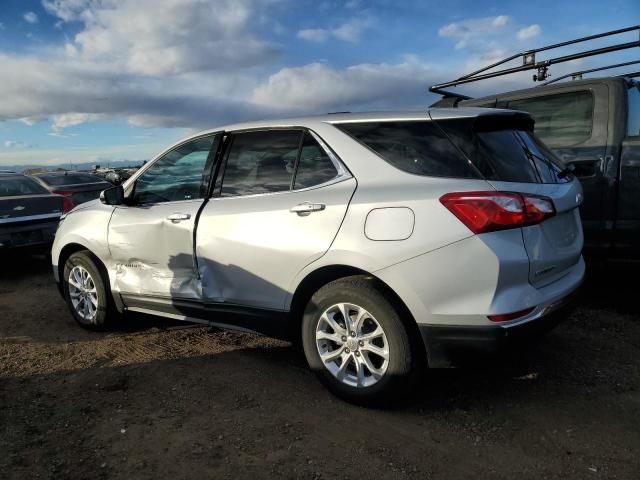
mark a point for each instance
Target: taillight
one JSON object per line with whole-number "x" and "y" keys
{"x": 510, "y": 316}
{"x": 490, "y": 211}
{"x": 67, "y": 204}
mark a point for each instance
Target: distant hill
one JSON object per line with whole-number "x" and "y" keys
{"x": 75, "y": 166}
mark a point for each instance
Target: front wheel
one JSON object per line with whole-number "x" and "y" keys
{"x": 354, "y": 338}
{"x": 86, "y": 292}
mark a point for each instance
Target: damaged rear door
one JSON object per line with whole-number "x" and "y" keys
{"x": 151, "y": 237}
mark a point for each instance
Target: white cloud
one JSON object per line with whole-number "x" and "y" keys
{"x": 473, "y": 29}
{"x": 529, "y": 32}
{"x": 167, "y": 37}
{"x": 348, "y": 32}
{"x": 317, "y": 87}
{"x": 15, "y": 144}
{"x": 1, "y": 26}
{"x": 65, "y": 120}
{"x": 31, "y": 17}
{"x": 314, "y": 34}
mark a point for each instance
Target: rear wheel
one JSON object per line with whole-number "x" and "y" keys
{"x": 355, "y": 340}
{"x": 86, "y": 291}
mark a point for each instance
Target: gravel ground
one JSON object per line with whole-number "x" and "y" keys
{"x": 165, "y": 400}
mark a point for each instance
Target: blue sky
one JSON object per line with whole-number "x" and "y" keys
{"x": 103, "y": 80}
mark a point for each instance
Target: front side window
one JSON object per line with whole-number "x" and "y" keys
{"x": 561, "y": 120}
{"x": 178, "y": 175}
{"x": 261, "y": 162}
{"x": 633, "y": 119}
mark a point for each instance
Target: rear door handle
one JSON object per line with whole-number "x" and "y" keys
{"x": 307, "y": 207}
{"x": 178, "y": 217}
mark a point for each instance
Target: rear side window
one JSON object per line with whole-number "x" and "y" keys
{"x": 561, "y": 120}
{"x": 417, "y": 147}
{"x": 314, "y": 166}
{"x": 17, "y": 186}
{"x": 261, "y": 162}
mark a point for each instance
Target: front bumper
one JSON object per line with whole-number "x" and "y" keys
{"x": 457, "y": 345}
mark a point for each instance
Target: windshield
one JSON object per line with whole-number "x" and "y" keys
{"x": 18, "y": 186}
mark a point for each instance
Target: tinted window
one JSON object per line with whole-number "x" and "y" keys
{"x": 561, "y": 120}
{"x": 69, "y": 179}
{"x": 315, "y": 166}
{"x": 16, "y": 186}
{"x": 418, "y": 147}
{"x": 502, "y": 153}
{"x": 261, "y": 162}
{"x": 633, "y": 122}
{"x": 178, "y": 175}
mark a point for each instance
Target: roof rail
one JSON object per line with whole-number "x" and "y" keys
{"x": 529, "y": 61}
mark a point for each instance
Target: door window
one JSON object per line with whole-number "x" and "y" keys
{"x": 261, "y": 162}
{"x": 314, "y": 166}
{"x": 561, "y": 120}
{"x": 178, "y": 175}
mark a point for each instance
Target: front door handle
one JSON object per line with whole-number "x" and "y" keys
{"x": 178, "y": 217}
{"x": 306, "y": 208}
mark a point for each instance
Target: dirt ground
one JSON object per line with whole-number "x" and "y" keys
{"x": 165, "y": 400}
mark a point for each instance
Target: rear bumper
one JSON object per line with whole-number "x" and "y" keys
{"x": 456, "y": 345}
{"x": 27, "y": 234}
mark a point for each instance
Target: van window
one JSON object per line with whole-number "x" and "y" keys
{"x": 561, "y": 120}
{"x": 633, "y": 121}
{"x": 417, "y": 147}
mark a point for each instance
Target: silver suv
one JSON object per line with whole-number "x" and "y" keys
{"x": 382, "y": 242}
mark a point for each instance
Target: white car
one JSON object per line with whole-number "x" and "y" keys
{"x": 384, "y": 242}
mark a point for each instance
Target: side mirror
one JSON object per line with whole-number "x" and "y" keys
{"x": 112, "y": 196}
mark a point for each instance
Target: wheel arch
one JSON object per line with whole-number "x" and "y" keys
{"x": 74, "y": 247}
{"x": 323, "y": 275}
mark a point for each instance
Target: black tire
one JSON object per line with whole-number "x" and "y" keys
{"x": 404, "y": 360}
{"x": 105, "y": 312}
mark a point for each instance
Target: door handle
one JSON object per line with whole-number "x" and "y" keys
{"x": 306, "y": 208}
{"x": 178, "y": 217}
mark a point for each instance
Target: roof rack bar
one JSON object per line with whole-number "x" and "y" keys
{"x": 529, "y": 62}
{"x": 582, "y": 72}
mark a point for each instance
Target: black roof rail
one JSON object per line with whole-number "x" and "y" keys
{"x": 578, "y": 75}
{"x": 529, "y": 61}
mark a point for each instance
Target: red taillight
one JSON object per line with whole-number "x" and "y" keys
{"x": 510, "y": 316}
{"x": 67, "y": 204}
{"x": 490, "y": 211}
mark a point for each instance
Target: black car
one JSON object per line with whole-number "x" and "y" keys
{"x": 29, "y": 213}
{"x": 75, "y": 187}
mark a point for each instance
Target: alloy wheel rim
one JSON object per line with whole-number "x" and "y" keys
{"x": 352, "y": 345}
{"x": 83, "y": 293}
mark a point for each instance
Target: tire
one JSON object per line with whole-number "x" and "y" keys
{"x": 393, "y": 375}
{"x": 81, "y": 267}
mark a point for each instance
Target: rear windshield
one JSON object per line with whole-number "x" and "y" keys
{"x": 417, "y": 147}
{"x": 501, "y": 148}
{"x": 17, "y": 186}
{"x": 69, "y": 179}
